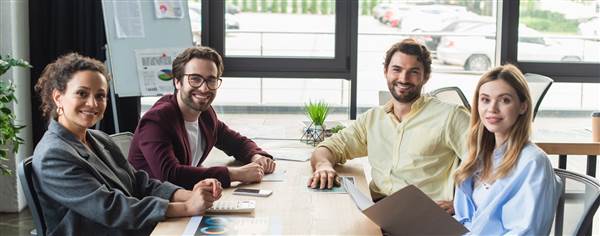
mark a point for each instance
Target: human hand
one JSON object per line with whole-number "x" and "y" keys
{"x": 248, "y": 173}
{"x": 267, "y": 163}
{"x": 446, "y": 206}
{"x": 210, "y": 185}
{"x": 323, "y": 177}
{"x": 198, "y": 202}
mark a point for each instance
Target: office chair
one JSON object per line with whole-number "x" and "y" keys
{"x": 25, "y": 172}
{"x": 579, "y": 200}
{"x": 123, "y": 140}
{"x": 384, "y": 97}
{"x": 451, "y": 95}
{"x": 538, "y": 87}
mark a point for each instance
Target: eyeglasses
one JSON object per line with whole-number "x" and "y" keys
{"x": 196, "y": 80}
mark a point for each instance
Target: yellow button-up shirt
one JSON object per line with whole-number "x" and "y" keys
{"x": 422, "y": 150}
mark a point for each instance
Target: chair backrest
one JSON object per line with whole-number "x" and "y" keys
{"x": 26, "y": 176}
{"x": 451, "y": 95}
{"x": 579, "y": 200}
{"x": 384, "y": 96}
{"x": 123, "y": 140}
{"x": 538, "y": 87}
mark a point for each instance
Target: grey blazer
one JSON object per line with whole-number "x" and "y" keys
{"x": 84, "y": 192}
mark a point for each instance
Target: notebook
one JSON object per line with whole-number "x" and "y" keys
{"x": 406, "y": 212}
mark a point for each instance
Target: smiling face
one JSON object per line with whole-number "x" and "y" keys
{"x": 499, "y": 108}
{"x": 83, "y": 102}
{"x": 197, "y": 99}
{"x": 405, "y": 77}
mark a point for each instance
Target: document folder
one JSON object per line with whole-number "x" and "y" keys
{"x": 406, "y": 212}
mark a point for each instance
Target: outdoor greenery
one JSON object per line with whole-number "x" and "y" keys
{"x": 547, "y": 21}
{"x": 317, "y": 111}
{"x": 8, "y": 128}
{"x": 294, "y": 6}
{"x": 534, "y": 18}
{"x": 337, "y": 128}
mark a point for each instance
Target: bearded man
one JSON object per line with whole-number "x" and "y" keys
{"x": 412, "y": 139}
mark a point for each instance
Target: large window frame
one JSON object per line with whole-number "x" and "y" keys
{"x": 342, "y": 66}
{"x": 559, "y": 71}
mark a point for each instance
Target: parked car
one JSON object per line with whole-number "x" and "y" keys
{"x": 232, "y": 9}
{"x": 379, "y": 10}
{"x": 397, "y": 13}
{"x": 590, "y": 27}
{"x": 195, "y": 11}
{"x": 432, "y": 17}
{"x": 475, "y": 49}
{"x": 432, "y": 38}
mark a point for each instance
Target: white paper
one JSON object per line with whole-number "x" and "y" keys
{"x": 291, "y": 154}
{"x": 362, "y": 201}
{"x": 277, "y": 176}
{"x": 128, "y": 19}
{"x": 154, "y": 70}
{"x": 168, "y": 9}
{"x": 192, "y": 226}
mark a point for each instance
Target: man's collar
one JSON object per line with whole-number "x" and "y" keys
{"x": 416, "y": 105}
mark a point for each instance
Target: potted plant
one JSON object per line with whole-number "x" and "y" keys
{"x": 9, "y": 141}
{"x": 316, "y": 112}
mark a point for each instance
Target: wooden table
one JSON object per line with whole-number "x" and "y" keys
{"x": 562, "y": 149}
{"x": 300, "y": 211}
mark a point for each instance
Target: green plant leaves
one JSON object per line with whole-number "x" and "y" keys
{"x": 7, "y": 62}
{"x": 317, "y": 111}
{"x": 8, "y": 129}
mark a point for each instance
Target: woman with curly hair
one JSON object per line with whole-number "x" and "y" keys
{"x": 84, "y": 183}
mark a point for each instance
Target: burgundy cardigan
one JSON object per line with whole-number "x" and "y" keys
{"x": 160, "y": 145}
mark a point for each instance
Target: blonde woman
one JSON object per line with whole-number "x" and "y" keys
{"x": 507, "y": 184}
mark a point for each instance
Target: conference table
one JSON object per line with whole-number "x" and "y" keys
{"x": 293, "y": 208}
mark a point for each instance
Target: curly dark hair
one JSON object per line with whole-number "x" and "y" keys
{"x": 411, "y": 47}
{"x": 199, "y": 52}
{"x": 57, "y": 74}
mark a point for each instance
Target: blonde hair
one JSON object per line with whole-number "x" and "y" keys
{"x": 481, "y": 142}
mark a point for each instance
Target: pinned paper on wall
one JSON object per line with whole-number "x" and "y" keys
{"x": 154, "y": 70}
{"x": 128, "y": 19}
{"x": 168, "y": 9}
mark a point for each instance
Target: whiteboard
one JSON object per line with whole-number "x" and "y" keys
{"x": 143, "y": 29}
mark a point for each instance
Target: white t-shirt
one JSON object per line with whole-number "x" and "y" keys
{"x": 196, "y": 141}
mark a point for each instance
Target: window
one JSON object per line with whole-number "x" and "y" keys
{"x": 460, "y": 35}
{"x": 559, "y": 31}
{"x": 301, "y": 31}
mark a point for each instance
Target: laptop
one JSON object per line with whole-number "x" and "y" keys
{"x": 406, "y": 212}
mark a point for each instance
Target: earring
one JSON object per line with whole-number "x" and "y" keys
{"x": 59, "y": 110}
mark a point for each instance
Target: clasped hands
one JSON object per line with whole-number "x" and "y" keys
{"x": 254, "y": 171}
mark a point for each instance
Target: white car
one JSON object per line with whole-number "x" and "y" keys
{"x": 475, "y": 49}
{"x": 432, "y": 17}
{"x": 195, "y": 11}
{"x": 590, "y": 27}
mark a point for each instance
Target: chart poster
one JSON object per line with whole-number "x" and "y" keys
{"x": 154, "y": 70}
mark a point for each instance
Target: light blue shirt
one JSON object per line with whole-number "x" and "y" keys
{"x": 521, "y": 203}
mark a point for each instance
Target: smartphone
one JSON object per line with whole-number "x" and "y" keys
{"x": 252, "y": 192}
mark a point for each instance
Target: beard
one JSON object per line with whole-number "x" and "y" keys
{"x": 414, "y": 91}
{"x": 201, "y": 106}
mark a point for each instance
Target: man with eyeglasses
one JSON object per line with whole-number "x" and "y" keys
{"x": 175, "y": 136}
